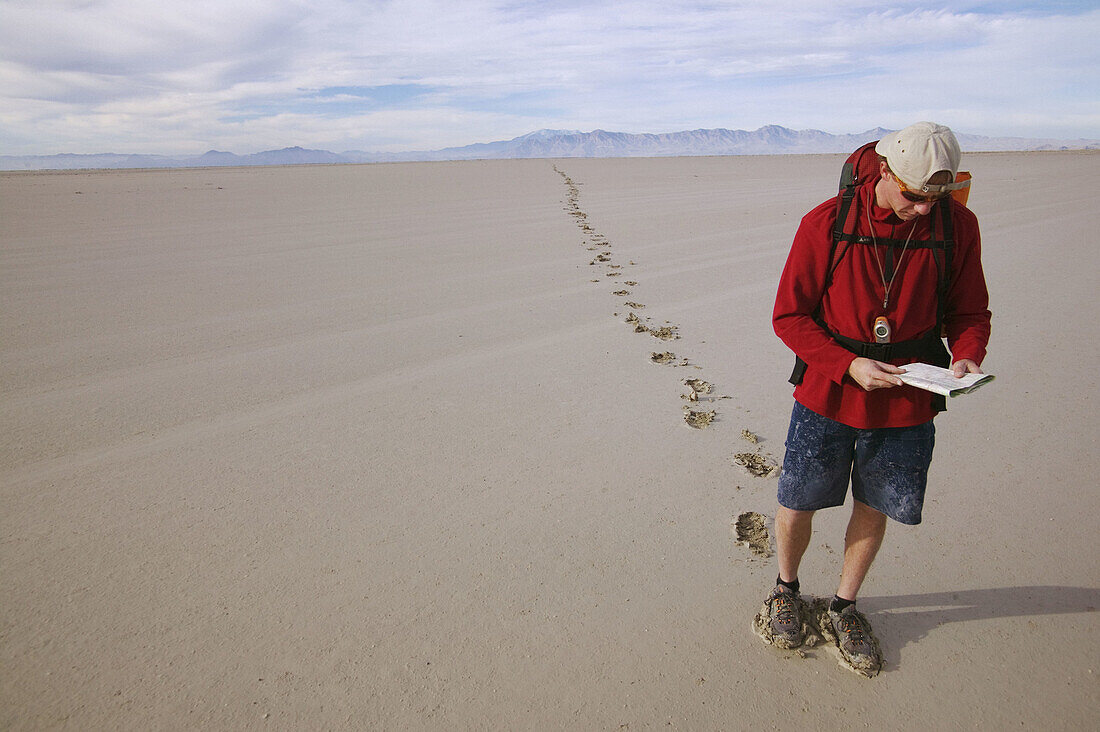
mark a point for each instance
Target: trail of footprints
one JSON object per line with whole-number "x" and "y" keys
{"x": 699, "y": 391}
{"x": 756, "y": 463}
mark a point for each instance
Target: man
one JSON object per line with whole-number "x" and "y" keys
{"x": 853, "y": 418}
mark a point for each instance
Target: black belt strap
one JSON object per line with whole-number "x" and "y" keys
{"x": 887, "y": 351}
{"x": 929, "y": 348}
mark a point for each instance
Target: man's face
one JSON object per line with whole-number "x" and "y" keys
{"x": 905, "y": 209}
{"x": 894, "y": 195}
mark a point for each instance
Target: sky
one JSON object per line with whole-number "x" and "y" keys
{"x": 174, "y": 78}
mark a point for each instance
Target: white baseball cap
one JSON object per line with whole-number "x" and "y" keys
{"x": 920, "y": 151}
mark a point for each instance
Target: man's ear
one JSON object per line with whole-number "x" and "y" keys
{"x": 883, "y": 169}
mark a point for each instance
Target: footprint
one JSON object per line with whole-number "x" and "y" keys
{"x": 759, "y": 465}
{"x": 695, "y": 388}
{"x": 750, "y": 529}
{"x": 699, "y": 420}
{"x": 698, "y": 385}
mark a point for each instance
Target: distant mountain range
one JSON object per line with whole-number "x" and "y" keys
{"x": 769, "y": 140}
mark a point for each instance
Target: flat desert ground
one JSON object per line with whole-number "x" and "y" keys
{"x": 373, "y": 447}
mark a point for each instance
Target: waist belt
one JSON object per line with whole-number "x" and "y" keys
{"x": 929, "y": 348}
{"x": 920, "y": 347}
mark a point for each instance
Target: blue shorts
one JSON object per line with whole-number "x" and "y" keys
{"x": 888, "y": 467}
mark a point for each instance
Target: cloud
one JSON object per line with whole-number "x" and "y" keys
{"x": 389, "y": 75}
{"x": 149, "y": 39}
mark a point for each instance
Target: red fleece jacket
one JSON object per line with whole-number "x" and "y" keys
{"x": 854, "y": 299}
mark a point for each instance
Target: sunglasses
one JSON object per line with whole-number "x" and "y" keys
{"x": 917, "y": 197}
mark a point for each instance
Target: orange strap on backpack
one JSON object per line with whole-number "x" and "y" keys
{"x": 962, "y": 194}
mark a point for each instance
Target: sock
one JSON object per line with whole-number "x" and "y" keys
{"x": 792, "y": 585}
{"x": 839, "y": 603}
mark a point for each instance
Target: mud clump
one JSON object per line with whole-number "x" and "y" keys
{"x": 621, "y": 293}
{"x": 698, "y": 385}
{"x": 818, "y": 628}
{"x": 749, "y": 437}
{"x": 761, "y": 626}
{"x": 819, "y": 620}
{"x": 757, "y": 464}
{"x": 695, "y": 388}
{"x": 699, "y": 420}
{"x": 751, "y": 531}
{"x": 662, "y": 358}
{"x": 634, "y": 320}
{"x": 665, "y": 333}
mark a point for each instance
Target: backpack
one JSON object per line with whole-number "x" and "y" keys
{"x": 861, "y": 166}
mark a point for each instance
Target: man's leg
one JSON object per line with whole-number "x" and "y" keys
{"x": 783, "y": 608}
{"x": 816, "y": 468}
{"x": 792, "y": 536}
{"x": 861, "y": 543}
{"x": 850, "y": 628}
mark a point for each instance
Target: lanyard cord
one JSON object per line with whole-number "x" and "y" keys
{"x": 886, "y": 286}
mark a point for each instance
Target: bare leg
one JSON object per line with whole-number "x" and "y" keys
{"x": 861, "y": 543}
{"x": 792, "y": 536}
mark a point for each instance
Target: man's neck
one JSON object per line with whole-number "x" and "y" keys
{"x": 880, "y": 199}
{"x": 886, "y": 211}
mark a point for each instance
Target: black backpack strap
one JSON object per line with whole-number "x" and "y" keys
{"x": 948, "y": 235}
{"x": 844, "y": 227}
{"x": 940, "y": 356}
{"x": 798, "y": 371}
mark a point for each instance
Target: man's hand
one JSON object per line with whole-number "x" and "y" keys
{"x": 871, "y": 374}
{"x": 964, "y": 366}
